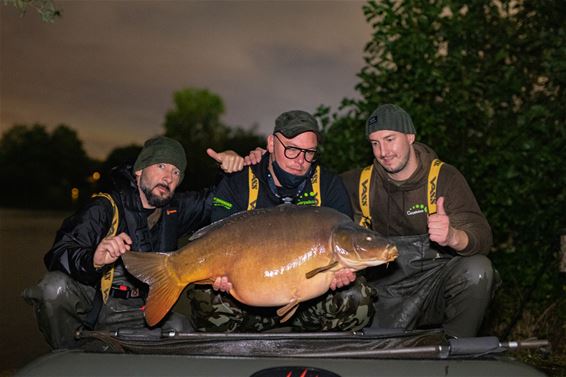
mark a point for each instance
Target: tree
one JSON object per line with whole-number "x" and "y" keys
{"x": 45, "y": 8}
{"x": 118, "y": 156}
{"x": 41, "y": 169}
{"x": 484, "y": 84}
{"x": 195, "y": 122}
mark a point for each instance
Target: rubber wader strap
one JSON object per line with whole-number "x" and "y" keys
{"x": 108, "y": 276}
{"x": 363, "y": 191}
{"x": 315, "y": 181}
{"x": 432, "y": 185}
{"x": 253, "y": 184}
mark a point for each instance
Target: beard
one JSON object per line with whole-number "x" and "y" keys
{"x": 155, "y": 200}
{"x": 400, "y": 167}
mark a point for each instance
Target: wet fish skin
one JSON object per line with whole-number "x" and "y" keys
{"x": 266, "y": 254}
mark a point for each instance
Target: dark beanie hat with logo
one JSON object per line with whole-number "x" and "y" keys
{"x": 162, "y": 149}
{"x": 390, "y": 117}
{"x": 295, "y": 122}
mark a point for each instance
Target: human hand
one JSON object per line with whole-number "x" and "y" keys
{"x": 439, "y": 228}
{"x": 254, "y": 157}
{"x": 342, "y": 277}
{"x": 222, "y": 284}
{"x": 230, "y": 161}
{"x": 110, "y": 249}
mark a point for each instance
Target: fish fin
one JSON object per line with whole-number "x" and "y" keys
{"x": 164, "y": 285}
{"x": 236, "y": 217}
{"x": 312, "y": 273}
{"x": 288, "y": 310}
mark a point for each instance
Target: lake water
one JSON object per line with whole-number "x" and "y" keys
{"x": 25, "y": 237}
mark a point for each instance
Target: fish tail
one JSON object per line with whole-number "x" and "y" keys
{"x": 164, "y": 285}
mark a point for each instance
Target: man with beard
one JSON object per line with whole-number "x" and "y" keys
{"x": 442, "y": 276}
{"x": 288, "y": 173}
{"x": 87, "y": 285}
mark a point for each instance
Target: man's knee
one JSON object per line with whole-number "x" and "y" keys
{"x": 355, "y": 295}
{"x": 59, "y": 303}
{"x": 348, "y": 308}
{"x": 358, "y": 306}
{"x": 478, "y": 273}
{"x": 54, "y": 286}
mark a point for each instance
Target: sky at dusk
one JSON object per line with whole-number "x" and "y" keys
{"x": 108, "y": 69}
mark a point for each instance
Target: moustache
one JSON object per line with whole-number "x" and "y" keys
{"x": 165, "y": 187}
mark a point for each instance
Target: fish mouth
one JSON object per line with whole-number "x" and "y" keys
{"x": 389, "y": 254}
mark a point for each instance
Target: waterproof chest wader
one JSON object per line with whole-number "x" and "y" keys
{"x": 409, "y": 288}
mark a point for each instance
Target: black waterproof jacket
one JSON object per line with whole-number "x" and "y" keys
{"x": 80, "y": 234}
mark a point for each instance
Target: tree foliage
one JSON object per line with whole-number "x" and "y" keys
{"x": 118, "y": 156}
{"x": 45, "y": 8}
{"x": 41, "y": 168}
{"x": 484, "y": 84}
{"x": 195, "y": 122}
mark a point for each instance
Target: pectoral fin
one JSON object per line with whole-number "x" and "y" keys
{"x": 288, "y": 310}
{"x": 310, "y": 274}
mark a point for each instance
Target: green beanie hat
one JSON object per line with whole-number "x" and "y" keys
{"x": 390, "y": 117}
{"x": 162, "y": 149}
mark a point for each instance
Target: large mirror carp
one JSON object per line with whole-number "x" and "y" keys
{"x": 277, "y": 256}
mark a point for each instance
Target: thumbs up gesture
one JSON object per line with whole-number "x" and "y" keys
{"x": 229, "y": 161}
{"x": 442, "y": 233}
{"x": 439, "y": 228}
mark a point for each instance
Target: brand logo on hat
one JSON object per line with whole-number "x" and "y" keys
{"x": 372, "y": 120}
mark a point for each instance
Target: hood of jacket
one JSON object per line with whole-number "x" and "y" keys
{"x": 126, "y": 186}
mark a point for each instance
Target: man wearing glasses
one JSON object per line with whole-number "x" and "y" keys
{"x": 288, "y": 173}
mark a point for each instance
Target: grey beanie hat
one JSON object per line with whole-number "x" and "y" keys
{"x": 390, "y": 117}
{"x": 162, "y": 149}
{"x": 295, "y": 122}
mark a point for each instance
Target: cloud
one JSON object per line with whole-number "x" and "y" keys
{"x": 109, "y": 69}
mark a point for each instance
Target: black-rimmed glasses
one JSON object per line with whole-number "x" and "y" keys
{"x": 294, "y": 152}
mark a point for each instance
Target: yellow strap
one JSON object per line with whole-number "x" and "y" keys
{"x": 253, "y": 184}
{"x": 315, "y": 181}
{"x": 108, "y": 276}
{"x": 432, "y": 185}
{"x": 363, "y": 191}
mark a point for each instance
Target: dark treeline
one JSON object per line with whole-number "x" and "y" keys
{"x": 40, "y": 168}
{"x": 51, "y": 170}
{"x": 484, "y": 83}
